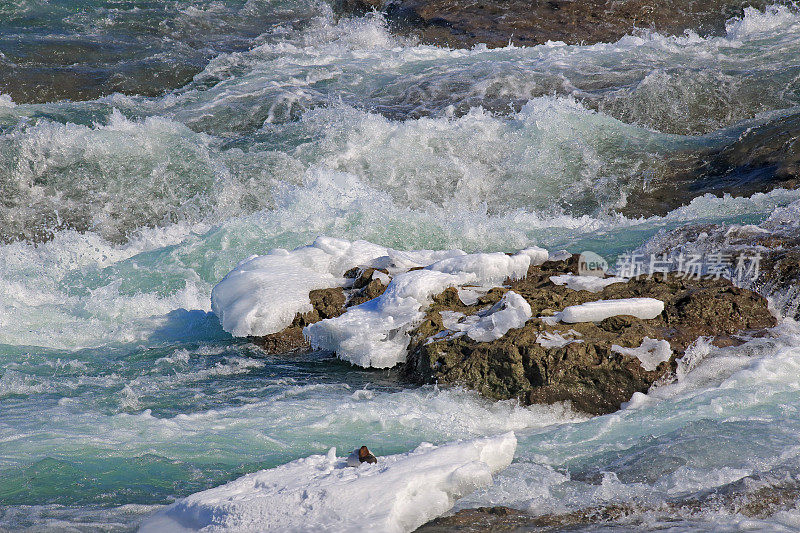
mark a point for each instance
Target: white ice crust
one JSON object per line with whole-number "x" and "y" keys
{"x": 262, "y": 294}
{"x": 644, "y": 308}
{"x": 585, "y": 283}
{"x": 320, "y": 493}
{"x": 556, "y": 339}
{"x": 376, "y": 333}
{"x": 650, "y": 353}
{"x": 511, "y": 312}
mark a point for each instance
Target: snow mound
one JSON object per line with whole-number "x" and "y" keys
{"x": 262, "y": 294}
{"x": 320, "y": 493}
{"x": 644, "y": 308}
{"x": 650, "y": 353}
{"x": 585, "y": 283}
{"x": 376, "y": 333}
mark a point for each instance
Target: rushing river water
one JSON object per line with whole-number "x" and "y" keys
{"x": 240, "y": 127}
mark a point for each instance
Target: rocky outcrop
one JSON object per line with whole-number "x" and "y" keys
{"x": 755, "y": 496}
{"x": 327, "y": 303}
{"x": 761, "y": 159}
{"x": 775, "y": 242}
{"x": 489, "y": 344}
{"x": 583, "y": 363}
{"x": 496, "y": 23}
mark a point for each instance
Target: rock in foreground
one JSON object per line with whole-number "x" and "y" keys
{"x": 596, "y": 366}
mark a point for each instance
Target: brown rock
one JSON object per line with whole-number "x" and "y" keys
{"x": 587, "y": 373}
{"x": 496, "y": 23}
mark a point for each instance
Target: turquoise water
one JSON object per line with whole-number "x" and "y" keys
{"x": 119, "y": 392}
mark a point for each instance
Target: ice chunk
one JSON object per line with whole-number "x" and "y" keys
{"x": 511, "y": 312}
{"x": 376, "y": 333}
{"x": 585, "y": 283}
{"x": 489, "y": 268}
{"x": 644, "y": 308}
{"x": 560, "y": 255}
{"x": 469, "y": 296}
{"x": 556, "y": 339}
{"x": 263, "y": 294}
{"x": 319, "y": 493}
{"x": 537, "y": 255}
{"x": 650, "y": 353}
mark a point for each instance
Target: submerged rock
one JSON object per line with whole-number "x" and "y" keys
{"x": 596, "y": 366}
{"x": 761, "y": 159}
{"x": 775, "y": 243}
{"x": 459, "y": 23}
{"x": 756, "y": 496}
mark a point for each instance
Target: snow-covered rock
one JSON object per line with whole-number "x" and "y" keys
{"x": 376, "y": 333}
{"x": 320, "y": 493}
{"x": 263, "y": 294}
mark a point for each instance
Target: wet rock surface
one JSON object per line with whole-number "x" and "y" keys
{"x": 763, "y": 158}
{"x": 775, "y": 242}
{"x": 754, "y": 496}
{"x": 496, "y": 23}
{"x": 584, "y": 370}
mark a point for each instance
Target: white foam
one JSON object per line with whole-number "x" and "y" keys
{"x": 650, "y": 353}
{"x": 585, "y": 283}
{"x": 644, "y": 308}
{"x": 319, "y": 493}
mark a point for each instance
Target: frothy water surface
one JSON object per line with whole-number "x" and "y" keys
{"x": 118, "y": 389}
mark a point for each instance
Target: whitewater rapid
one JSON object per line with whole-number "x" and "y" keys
{"x": 119, "y": 389}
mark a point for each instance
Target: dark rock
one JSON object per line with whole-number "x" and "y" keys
{"x": 755, "y": 496}
{"x": 761, "y": 159}
{"x": 480, "y": 520}
{"x": 460, "y": 23}
{"x": 589, "y": 374}
{"x": 328, "y": 303}
{"x": 776, "y": 243}
{"x": 365, "y": 287}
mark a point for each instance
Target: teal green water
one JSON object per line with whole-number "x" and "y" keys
{"x": 119, "y": 392}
